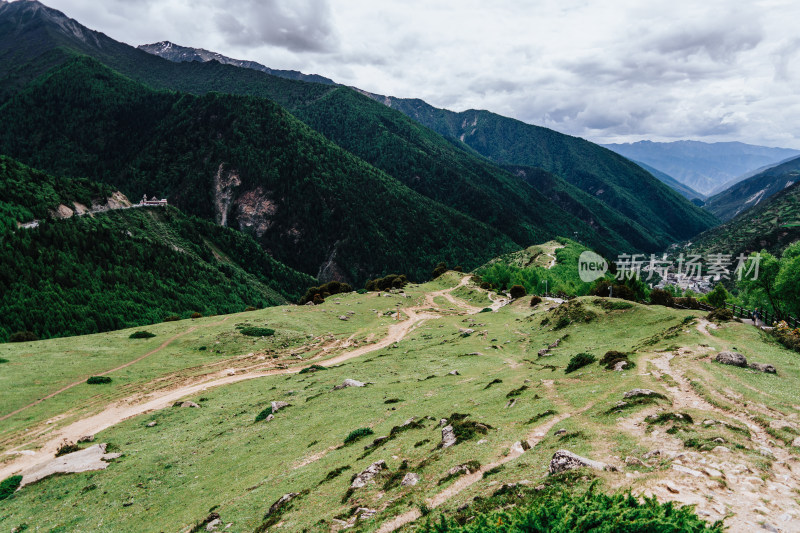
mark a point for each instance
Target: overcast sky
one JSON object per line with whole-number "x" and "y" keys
{"x": 609, "y": 71}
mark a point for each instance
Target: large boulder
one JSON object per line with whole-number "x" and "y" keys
{"x": 763, "y": 367}
{"x": 283, "y": 500}
{"x": 564, "y": 460}
{"x": 640, "y": 393}
{"x": 410, "y": 479}
{"x": 731, "y": 358}
{"x": 368, "y": 474}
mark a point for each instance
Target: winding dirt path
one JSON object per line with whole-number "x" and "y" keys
{"x": 129, "y": 407}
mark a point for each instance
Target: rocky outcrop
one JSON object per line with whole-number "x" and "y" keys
{"x": 367, "y": 474}
{"x": 277, "y": 406}
{"x": 564, "y": 460}
{"x": 255, "y": 211}
{"x": 86, "y": 460}
{"x": 641, "y": 393}
{"x": 731, "y": 358}
{"x": 282, "y": 501}
{"x": 410, "y": 479}
{"x": 448, "y": 436}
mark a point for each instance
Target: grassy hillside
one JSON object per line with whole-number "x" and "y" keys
{"x": 243, "y": 162}
{"x": 218, "y": 458}
{"x": 771, "y": 225}
{"x": 754, "y": 190}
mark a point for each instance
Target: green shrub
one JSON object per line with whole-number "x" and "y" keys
{"x": 329, "y": 289}
{"x": 485, "y": 285}
{"x": 312, "y": 368}
{"x": 579, "y": 361}
{"x": 517, "y": 392}
{"x": 23, "y": 336}
{"x": 98, "y": 380}
{"x": 536, "y": 300}
{"x": 612, "y": 357}
{"x": 172, "y": 318}
{"x": 486, "y": 310}
{"x": 392, "y": 281}
{"x": 257, "y": 332}
{"x": 249, "y": 309}
{"x": 565, "y": 512}
{"x": 197, "y": 315}
{"x": 720, "y": 314}
{"x": 67, "y": 447}
{"x": 440, "y": 269}
{"x": 517, "y": 291}
{"x": 3, "y": 360}
{"x": 9, "y": 486}
{"x": 718, "y": 296}
{"x": 358, "y": 434}
{"x": 262, "y": 415}
{"x": 661, "y": 297}
{"x": 142, "y": 335}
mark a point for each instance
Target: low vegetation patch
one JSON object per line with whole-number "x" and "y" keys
{"x": 676, "y": 420}
{"x": 540, "y": 416}
{"x": 23, "y": 336}
{"x": 493, "y": 382}
{"x": 720, "y": 314}
{"x": 579, "y": 361}
{"x": 392, "y": 400}
{"x": 142, "y": 335}
{"x": 358, "y": 434}
{"x": 559, "y": 510}
{"x": 257, "y": 332}
{"x": 67, "y": 447}
{"x": 392, "y": 281}
{"x": 312, "y": 368}
{"x": 466, "y": 429}
{"x": 98, "y": 380}
{"x": 333, "y": 474}
{"x": 572, "y": 312}
{"x": 517, "y": 392}
{"x": 612, "y": 305}
{"x": 8, "y": 486}
{"x": 612, "y": 357}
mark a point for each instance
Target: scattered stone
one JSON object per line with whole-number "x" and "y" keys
{"x": 718, "y": 440}
{"x": 652, "y": 453}
{"x": 86, "y": 438}
{"x": 368, "y": 474}
{"x": 442, "y": 422}
{"x": 213, "y": 525}
{"x": 769, "y": 527}
{"x": 448, "y": 436}
{"x": 349, "y": 383}
{"x": 712, "y": 472}
{"x": 763, "y": 367}
{"x": 365, "y": 512}
{"x": 796, "y": 442}
{"x": 731, "y": 358}
{"x": 283, "y": 500}
{"x": 376, "y": 442}
{"x": 775, "y": 424}
{"x": 633, "y": 461}
{"x": 721, "y": 449}
{"x": 638, "y": 393}
{"x": 564, "y": 460}
{"x": 277, "y": 406}
{"x": 454, "y": 373}
{"x": 482, "y": 441}
{"x": 619, "y": 366}
{"x": 466, "y": 332}
{"x": 511, "y": 403}
{"x": 189, "y": 404}
{"x": 152, "y": 424}
{"x": 85, "y": 460}
{"x": 544, "y": 353}
{"x": 463, "y": 507}
{"x": 554, "y": 344}
{"x": 344, "y": 317}
{"x": 410, "y": 479}
{"x": 671, "y": 487}
{"x": 687, "y": 470}
{"x": 709, "y": 422}
{"x": 560, "y": 432}
{"x": 766, "y": 452}
{"x": 270, "y": 418}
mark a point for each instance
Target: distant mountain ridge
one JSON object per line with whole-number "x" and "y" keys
{"x": 754, "y": 190}
{"x": 705, "y": 167}
{"x": 178, "y": 54}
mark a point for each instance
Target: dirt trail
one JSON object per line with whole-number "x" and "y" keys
{"x": 160, "y": 399}
{"x": 552, "y": 255}
{"x": 746, "y": 495}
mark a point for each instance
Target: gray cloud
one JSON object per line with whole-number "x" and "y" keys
{"x": 712, "y": 70}
{"x": 298, "y": 26}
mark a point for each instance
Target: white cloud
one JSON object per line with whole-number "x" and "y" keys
{"x": 609, "y": 71}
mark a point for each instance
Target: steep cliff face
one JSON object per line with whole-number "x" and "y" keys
{"x": 225, "y": 185}
{"x": 255, "y": 211}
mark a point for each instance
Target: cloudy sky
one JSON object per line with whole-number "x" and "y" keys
{"x": 609, "y": 71}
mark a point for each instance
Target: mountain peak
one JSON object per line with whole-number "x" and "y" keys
{"x": 28, "y": 14}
